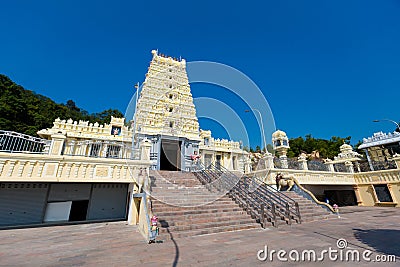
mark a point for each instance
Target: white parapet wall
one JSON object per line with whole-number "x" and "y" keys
{"x": 363, "y": 183}
{"x": 24, "y": 167}
{"x": 384, "y": 176}
{"x": 308, "y": 177}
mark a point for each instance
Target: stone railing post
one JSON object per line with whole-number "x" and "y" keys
{"x": 284, "y": 162}
{"x": 70, "y": 146}
{"x": 357, "y": 165}
{"x": 104, "y": 150}
{"x": 303, "y": 163}
{"x": 269, "y": 161}
{"x": 247, "y": 164}
{"x": 329, "y": 165}
{"x": 57, "y": 143}
{"x": 349, "y": 166}
{"x": 46, "y": 148}
{"x": 145, "y": 146}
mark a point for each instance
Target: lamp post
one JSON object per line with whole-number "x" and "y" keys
{"x": 262, "y": 126}
{"x": 137, "y": 86}
{"x": 398, "y": 127}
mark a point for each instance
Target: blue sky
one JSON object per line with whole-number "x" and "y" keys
{"x": 327, "y": 68}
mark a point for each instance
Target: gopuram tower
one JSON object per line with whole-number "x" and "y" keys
{"x": 166, "y": 115}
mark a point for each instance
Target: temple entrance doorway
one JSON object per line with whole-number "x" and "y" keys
{"x": 170, "y": 157}
{"x": 207, "y": 160}
{"x": 218, "y": 161}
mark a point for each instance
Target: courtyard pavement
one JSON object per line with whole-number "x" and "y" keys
{"x": 118, "y": 244}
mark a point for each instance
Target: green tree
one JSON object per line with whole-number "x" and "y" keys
{"x": 327, "y": 148}
{"x": 105, "y": 116}
{"x": 26, "y": 112}
{"x": 72, "y": 106}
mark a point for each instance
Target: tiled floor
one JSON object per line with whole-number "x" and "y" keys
{"x": 117, "y": 244}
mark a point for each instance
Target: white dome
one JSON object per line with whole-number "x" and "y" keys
{"x": 279, "y": 134}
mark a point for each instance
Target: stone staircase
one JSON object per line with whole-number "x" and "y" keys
{"x": 186, "y": 208}
{"x": 309, "y": 210}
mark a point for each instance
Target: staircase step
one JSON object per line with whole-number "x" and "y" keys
{"x": 207, "y": 212}
{"x": 186, "y": 207}
{"x": 309, "y": 210}
{"x": 200, "y": 219}
{"x": 212, "y": 230}
{"x": 191, "y": 205}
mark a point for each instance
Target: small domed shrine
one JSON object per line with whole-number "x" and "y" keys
{"x": 280, "y": 143}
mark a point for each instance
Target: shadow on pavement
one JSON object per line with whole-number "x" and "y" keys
{"x": 385, "y": 241}
{"x": 164, "y": 224}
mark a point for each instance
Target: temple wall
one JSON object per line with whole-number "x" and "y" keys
{"x": 367, "y": 195}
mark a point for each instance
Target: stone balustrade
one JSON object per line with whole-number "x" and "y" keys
{"x": 307, "y": 177}
{"x": 332, "y": 178}
{"x": 22, "y": 167}
{"x": 384, "y": 176}
{"x": 221, "y": 145}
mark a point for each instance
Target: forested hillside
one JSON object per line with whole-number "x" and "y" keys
{"x": 326, "y": 148}
{"x": 24, "y": 111}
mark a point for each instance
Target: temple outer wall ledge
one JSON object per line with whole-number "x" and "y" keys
{"x": 23, "y": 167}
{"x": 307, "y": 176}
{"x": 367, "y": 181}
{"x": 362, "y": 183}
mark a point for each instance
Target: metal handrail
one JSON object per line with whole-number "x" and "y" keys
{"x": 258, "y": 203}
{"x": 256, "y": 206}
{"x": 298, "y": 188}
{"x": 285, "y": 202}
{"x": 21, "y": 143}
{"x": 280, "y": 197}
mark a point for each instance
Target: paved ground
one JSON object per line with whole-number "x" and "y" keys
{"x": 117, "y": 244}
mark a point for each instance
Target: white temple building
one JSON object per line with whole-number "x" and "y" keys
{"x": 166, "y": 115}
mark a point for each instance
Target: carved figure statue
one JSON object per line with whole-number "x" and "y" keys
{"x": 143, "y": 180}
{"x": 284, "y": 181}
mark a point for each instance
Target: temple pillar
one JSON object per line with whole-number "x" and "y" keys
{"x": 392, "y": 194}
{"x": 372, "y": 191}
{"x": 145, "y": 146}
{"x": 57, "y": 143}
{"x": 358, "y": 195}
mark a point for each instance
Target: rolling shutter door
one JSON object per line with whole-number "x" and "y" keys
{"x": 66, "y": 192}
{"x": 22, "y": 203}
{"x": 108, "y": 201}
